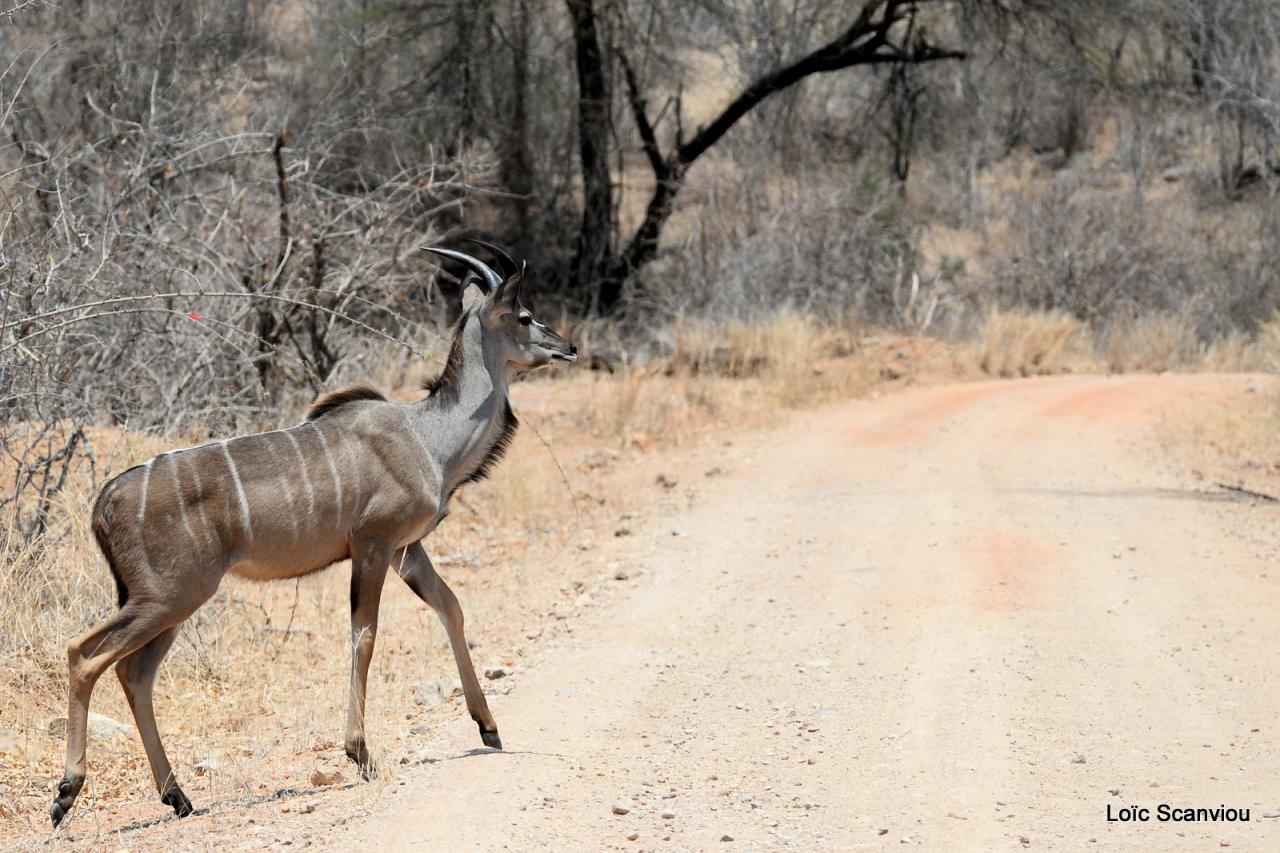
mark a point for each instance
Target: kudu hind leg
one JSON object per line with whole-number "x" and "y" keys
{"x": 368, "y": 571}
{"x": 87, "y": 658}
{"x": 415, "y": 568}
{"x": 137, "y": 674}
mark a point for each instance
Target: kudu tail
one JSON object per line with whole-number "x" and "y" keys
{"x": 101, "y": 524}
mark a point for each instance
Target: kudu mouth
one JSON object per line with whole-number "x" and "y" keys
{"x": 570, "y": 356}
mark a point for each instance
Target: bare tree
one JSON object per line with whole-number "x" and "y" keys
{"x": 883, "y": 32}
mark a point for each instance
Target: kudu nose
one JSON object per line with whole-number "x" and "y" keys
{"x": 573, "y": 349}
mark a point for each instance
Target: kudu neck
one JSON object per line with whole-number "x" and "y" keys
{"x": 481, "y": 372}
{"x": 467, "y": 411}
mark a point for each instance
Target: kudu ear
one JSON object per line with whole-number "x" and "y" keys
{"x": 508, "y": 293}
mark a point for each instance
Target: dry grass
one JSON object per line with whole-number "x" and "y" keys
{"x": 1030, "y": 343}
{"x": 1150, "y": 344}
{"x": 1033, "y": 343}
{"x": 729, "y": 374}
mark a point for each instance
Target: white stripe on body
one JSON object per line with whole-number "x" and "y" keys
{"x": 333, "y": 469}
{"x": 146, "y": 486}
{"x": 235, "y": 477}
{"x": 306, "y": 478}
{"x": 286, "y": 486}
{"x": 182, "y": 504}
{"x": 204, "y": 518}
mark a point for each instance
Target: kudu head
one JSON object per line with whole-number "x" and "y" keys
{"x": 511, "y": 333}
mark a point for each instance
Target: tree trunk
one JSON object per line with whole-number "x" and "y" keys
{"x": 517, "y": 164}
{"x": 591, "y": 273}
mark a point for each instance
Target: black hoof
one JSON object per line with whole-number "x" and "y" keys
{"x": 178, "y": 801}
{"x": 491, "y": 739}
{"x": 359, "y": 755}
{"x": 67, "y": 792}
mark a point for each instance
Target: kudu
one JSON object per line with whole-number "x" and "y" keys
{"x": 361, "y": 478}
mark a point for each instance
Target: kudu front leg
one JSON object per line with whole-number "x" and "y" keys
{"x": 416, "y": 570}
{"x": 369, "y": 562}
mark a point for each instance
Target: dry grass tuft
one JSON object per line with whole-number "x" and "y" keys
{"x": 1032, "y": 343}
{"x": 1151, "y": 343}
{"x": 1266, "y": 346}
{"x": 718, "y": 373}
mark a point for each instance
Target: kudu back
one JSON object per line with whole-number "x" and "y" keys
{"x": 361, "y": 478}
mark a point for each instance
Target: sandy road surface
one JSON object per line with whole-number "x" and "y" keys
{"x": 965, "y": 618}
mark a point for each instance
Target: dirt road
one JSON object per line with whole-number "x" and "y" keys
{"x": 965, "y": 618}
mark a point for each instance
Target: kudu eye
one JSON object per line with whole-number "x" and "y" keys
{"x": 525, "y": 318}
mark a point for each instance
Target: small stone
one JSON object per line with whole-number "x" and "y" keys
{"x": 621, "y": 807}
{"x": 1079, "y": 759}
{"x": 431, "y": 693}
{"x": 1271, "y": 814}
{"x": 101, "y": 727}
{"x": 586, "y": 545}
{"x": 323, "y": 776}
{"x": 621, "y": 575}
{"x": 668, "y": 815}
{"x": 208, "y": 765}
{"x": 726, "y": 837}
{"x": 308, "y": 808}
{"x": 632, "y": 836}
{"x": 493, "y": 673}
{"x": 624, "y": 530}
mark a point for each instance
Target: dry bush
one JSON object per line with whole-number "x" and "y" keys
{"x": 1239, "y": 352}
{"x": 1150, "y": 343}
{"x": 1266, "y": 346}
{"x": 1233, "y": 353}
{"x": 1031, "y": 343}
{"x": 717, "y": 372}
{"x": 822, "y": 242}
